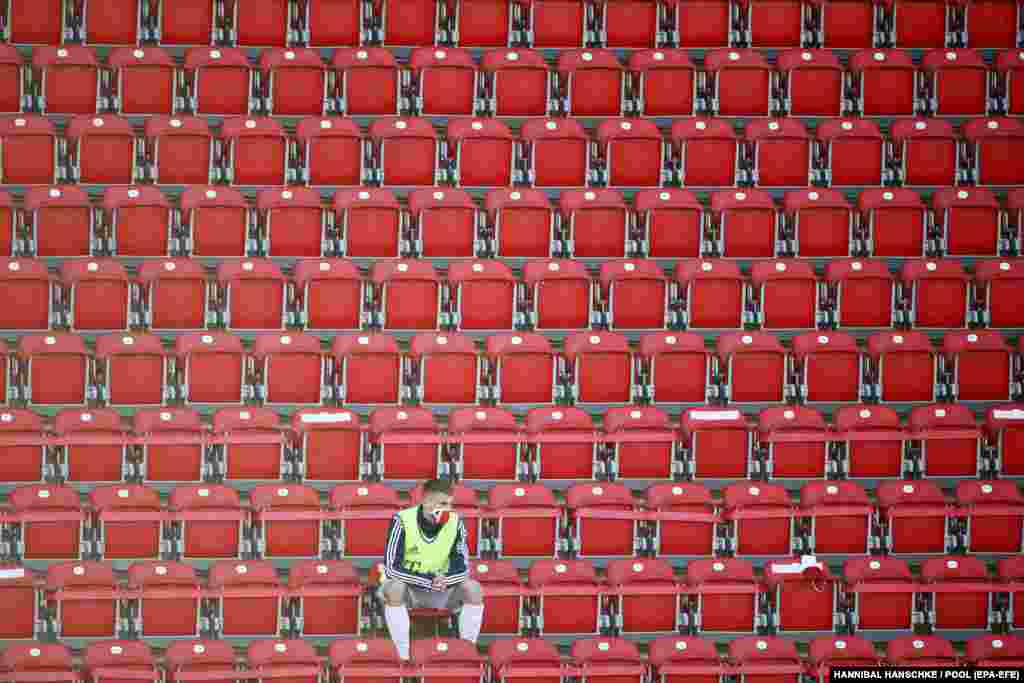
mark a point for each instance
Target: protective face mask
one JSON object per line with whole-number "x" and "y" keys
{"x": 440, "y": 515}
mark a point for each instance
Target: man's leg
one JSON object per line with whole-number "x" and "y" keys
{"x": 394, "y": 595}
{"x": 472, "y": 614}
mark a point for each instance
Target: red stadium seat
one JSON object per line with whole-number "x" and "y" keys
{"x": 330, "y": 151}
{"x": 211, "y": 521}
{"x": 958, "y": 82}
{"x": 369, "y": 80}
{"x": 176, "y": 294}
{"x": 781, "y": 152}
{"x": 797, "y": 440}
{"x": 1009, "y": 65}
{"x": 679, "y": 658}
{"x": 22, "y": 434}
{"x": 369, "y": 220}
{"x": 600, "y": 365}
{"x": 488, "y": 443}
{"x": 926, "y": 151}
{"x": 446, "y": 223}
{"x": 192, "y": 23}
{"x": 83, "y": 597}
{"x": 593, "y": 82}
{"x": 145, "y": 79}
{"x": 295, "y": 82}
{"x": 56, "y": 369}
{"x": 329, "y": 593}
{"x": 93, "y": 443}
{"x": 39, "y": 23}
{"x": 684, "y": 519}
{"x": 518, "y": 83}
{"x": 292, "y": 369}
{"x": 187, "y": 658}
{"x": 568, "y": 596}
{"x": 47, "y": 522}
{"x": 257, "y": 151}
{"x": 609, "y": 659}
{"x": 131, "y": 370}
{"x": 331, "y": 443}
{"x": 811, "y": 82}
{"x": 996, "y": 145}
{"x": 600, "y": 517}
{"x": 405, "y": 443}
{"x": 179, "y": 150}
{"x": 139, "y": 220}
{"x": 667, "y": 80}
{"x": 787, "y": 294}
{"x": 632, "y": 153}
{"x": 981, "y": 363}
{"x": 221, "y": 80}
{"x": 597, "y": 223}
{"x": 960, "y": 592}
{"x": 445, "y": 81}
{"x": 211, "y": 367}
{"x": 835, "y": 651}
{"x": 254, "y": 294}
{"x": 522, "y": 223}
{"x": 284, "y": 520}
{"x": 993, "y": 650}
{"x": 128, "y": 520}
{"x": 481, "y": 152}
{"x": 251, "y": 443}
{"x": 672, "y": 222}
{"x": 905, "y": 366}
{"x": 851, "y": 151}
{"x": 674, "y": 367}
{"x": 755, "y": 367}
{"x": 747, "y": 223}
{"x": 556, "y": 152}
{"x": 703, "y": 23}
{"x": 29, "y": 146}
{"x": 410, "y": 294}
{"x": 484, "y": 294}
{"x": 915, "y": 516}
{"x": 766, "y": 657}
{"x": 724, "y": 594}
{"x": 883, "y": 591}
{"x": 302, "y": 225}
{"x": 885, "y": 83}
{"x": 874, "y": 441}
{"x": 446, "y": 370}
{"x": 921, "y": 651}
{"x": 564, "y": 443}
{"x": 739, "y": 83}
{"x": 69, "y": 81}
{"x": 995, "y": 510}
{"x": 762, "y": 518}
{"x": 28, "y": 283}
{"x": 521, "y": 368}
{"x": 216, "y": 221}
{"x": 98, "y": 295}
{"x": 61, "y": 221}
{"x": 822, "y": 222}
{"x": 719, "y": 442}
{"x": 827, "y": 367}
{"x": 19, "y": 594}
{"x": 483, "y": 23}
{"x": 414, "y": 141}
{"x": 841, "y": 517}
{"x": 935, "y": 293}
{"x": 249, "y": 593}
{"x": 171, "y": 444}
{"x": 368, "y": 370}
{"x": 1002, "y": 425}
{"x": 560, "y": 294}
{"x": 895, "y": 221}
{"x": 368, "y": 509}
{"x": 636, "y": 295}
{"x": 644, "y": 442}
{"x": 714, "y": 293}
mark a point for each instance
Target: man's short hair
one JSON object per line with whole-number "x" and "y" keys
{"x": 442, "y": 486}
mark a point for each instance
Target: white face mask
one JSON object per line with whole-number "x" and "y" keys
{"x": 439, "y": 513}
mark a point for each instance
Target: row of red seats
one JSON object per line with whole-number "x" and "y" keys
{"x": 671, "y": 659}
{"x": 548, "y": 153}
{"x": 552, "y": 295}
{"x": 596, "y": 367}
{"x": 597, "y": 519}
{"x": 449, "y": 82}
{"x": 540, "y": 23}
{"x": 141, "y": 221}
{"x": 560, "y": 597}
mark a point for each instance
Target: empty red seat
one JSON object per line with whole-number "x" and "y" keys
{"x": 249, "y": 593}
{"x": 366, "y": 511}
{"x": 874, "y": 440}
{"x": 140, "y": 221}
{"x": 211, "y": 517}
{"x": 949, "y": 440}
{"x": 301, "y": 225}
{"x": 93, "y": 443}
{"x": 216, "y": 221}
{"x": 781, "y": 152}
{"x": 329, "y": 593}
{"x": 672, "y": 222}
{"x": 518, "y": 83}
{"x": 488, "y": 443}
{"x": 445, "y": 81}
{"x": 564, "y": 442}
{"x": 632, "y": 153}
{"x": 483, "y": 23}
{"x": 1009, "y": 65}
{"x": 981, "y": 363}
{"x": 895, "y": 221}
{"x": 755, "y": 367}
{"x": 257, "y": 151}
{"x": 47, "y": 522}
{"x": 787, "y": 293}
{"x": 406, "y": 444}
{"x": 708, "y": 151}
{"x": 712, "y": 293}
{"x": 593, "y": 82}
{"x": 936, "y": 292}
{"x": 221, "y": 80}
{"x": 27, "y": 282}
{"x": 211, "y": 367}
{"x": 83, "y": 596}
{"x": 636, "y": 295}
{"x": 481, "y": 152}
{"x": 841, "y": 515}
{"x": 175, "y": 293}
{"x": 131, "y": 369}
{"x": 331, "y": 442}
{"x": 447, "y": 368}
{"x": 560, "y": 294}
{"x": 294, "y": 81}
{"x": 368, "y": 80}
{"x": 285, "y": 520}
{"x": 145, "y": 79}
{"x": 368, "y": 368}
{"x": 1011, "y": 570}
{"x": 254, "y": 294}
{"x": 39, "y": 23}
{"x": 102, "y": 150}
{"x": 885, "y": 83}
{"x": 827, "y": 366}
{"x": 851, "y": 151}
{"x": 883, "y": 591}
{"x": 1002, "y": 425}
{"x": 98, "y": 294}
{"x": 69, "y": 79}
{"x": 445, "y": 222}
{"x": 57, "y": 368}
{"x": 330, "y": 151}
{"x": 600, "y": 517}
{"x": 679, "y": 658}
{"x": 60, "y": 221}
{"x": 171, "y": 444}
{"x": 521, "y": 368}
{"x": 644, "y": 442}
{"x": 108, "y": 660}
{"x": 448, "y": 659}
{"x": 129, "y": 521}
{"x": 995, "y": 510}
{"x": 684, "y": 518}
{"x": 914, "y": 513}
{"x": 29, "y": 146}
{"x": 250, "y": 441}
{"x": 958, "y": 82}
{"x": 410, "y": 294}
{"x": 291, "y": 369}
{"x": 674, "y": 367}
{"x": 812, "y": 82}
{"x": 22, "y": 434}
{"x": 762, "y": 518}
{"x": 414, "y": 142}
{"x": 600, "y": 367}
{"x": 556, "y": 151}
{"x": 904, "y": 366}
{"x": 568, "y": 591}
{"x": 835, "y": 651}
{"x": 702, "y": 23}
{"x": 597, "y": 223}
{"x": 719, "y": 442}
{"x": 747, "y": 223}
{"x": 179, "y": 150}
{"x": 724, "y": 593}
{"x": 484, "y": 294}
{"x": 997, "y": 144}
{"x": 522, "y": 222}
{"x": 921, "y": 651}
{"x": 528, "y": 520}
{"x": 369, "y": 222}
{"x": 377, "y": 655}
{"x": 919, "y": 23}
{"x": 767, "y": 657}
{"x": 535, "y": 657}
{"x": 822, "y": 222}
{"x": 667, "y": 81}
{"x": 739, "y": 82}
{"x": 926, "y": 151}
{"x": 191, "y": 24}
{"x": 797, "y": 440}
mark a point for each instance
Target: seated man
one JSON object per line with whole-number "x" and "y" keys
{"x": 427, "y": 567}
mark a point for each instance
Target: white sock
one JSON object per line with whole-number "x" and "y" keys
{"x": 397, "y": 619}
{"x": 470, "y": 619}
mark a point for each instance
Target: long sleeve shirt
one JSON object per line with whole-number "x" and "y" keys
{"x": 394, "y": 569}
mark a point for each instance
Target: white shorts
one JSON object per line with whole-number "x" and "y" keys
{"x": 422, "y": 598}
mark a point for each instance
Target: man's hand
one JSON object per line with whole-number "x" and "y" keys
{"x": 438, "y": 584}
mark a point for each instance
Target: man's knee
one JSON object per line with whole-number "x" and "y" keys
{"x": 393, "y": 593}
{"x": 472, "y": 592}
